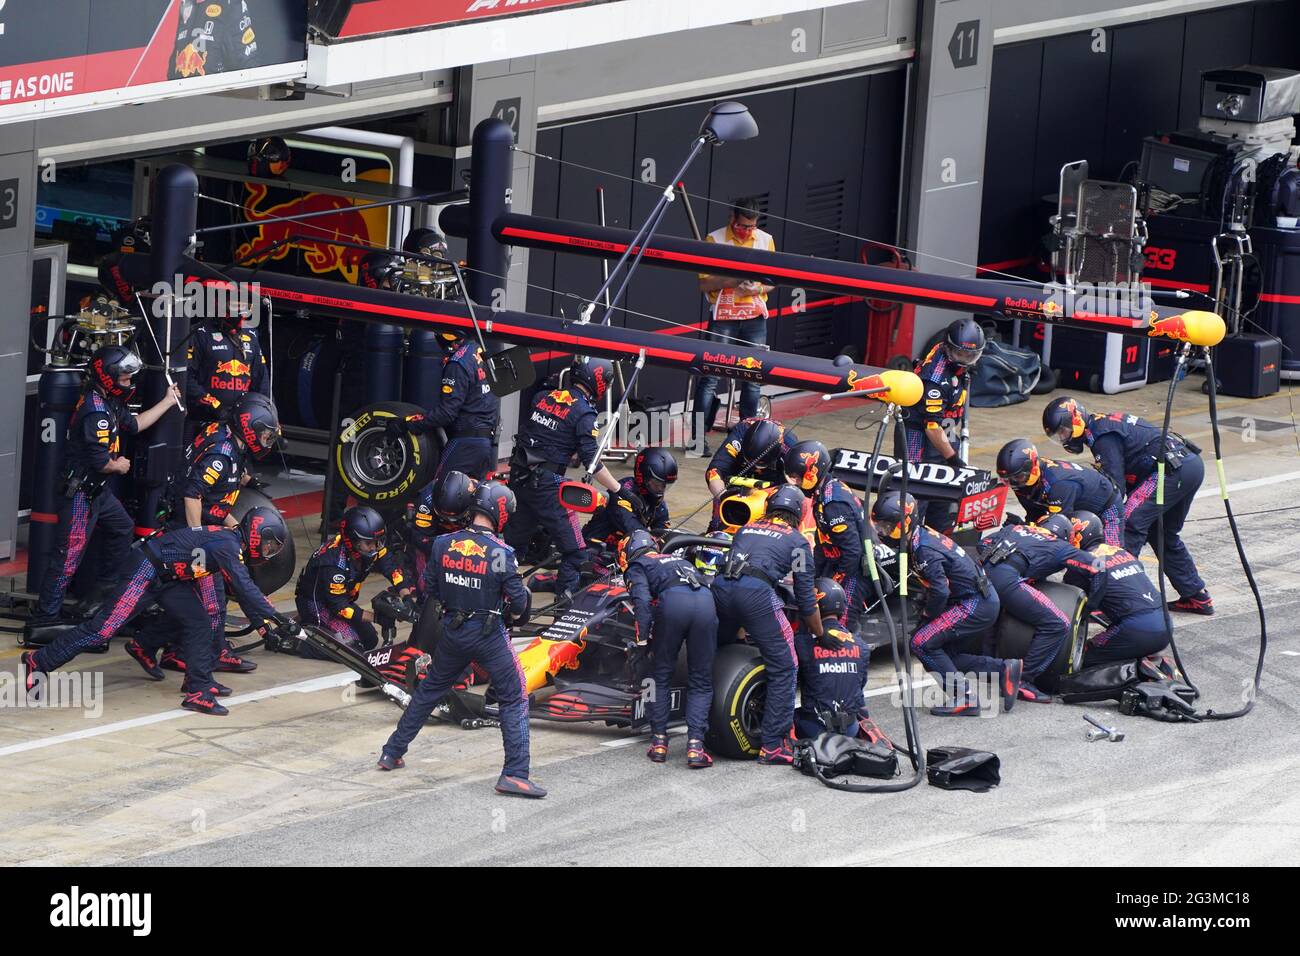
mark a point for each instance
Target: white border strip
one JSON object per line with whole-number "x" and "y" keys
{"x": 302, "y": 687}
{"x": 1213, "y": 491}
{"x": 1107, "y": 18}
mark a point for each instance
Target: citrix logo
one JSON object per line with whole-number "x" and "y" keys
{"x": 76, "y": 909}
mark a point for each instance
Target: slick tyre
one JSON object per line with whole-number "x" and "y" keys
{"x": 379, "y": 471}
{"x": 1014, "y": 635}
{"x": 274, "y": 574}
{"x": 739, "y": 693}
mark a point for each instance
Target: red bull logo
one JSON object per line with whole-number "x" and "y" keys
{"x": 1173, "y": 327}
{"x": 750, "y": 363}
{"x": 234, "y": 368}
{"x": 865, "y": 383}
{"x": 468, "y": 548}
{"x": 313, "y": 238}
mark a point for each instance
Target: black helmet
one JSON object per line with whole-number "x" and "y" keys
{"x": 452, "y": 496}
{"x": 362, "y": 523}
{"x": 891, "y": 515}
{"x": 255, "y": 421}
{"x": 633, "y": 546}
{"x": 268, "y": 157}
{"x": 1087, "y": 530}
{"x": 377, "y": 268}
{"x": 831, "y": 601}
{"x": 787, "y": 500}
{"x": 1058, "y": 525}
{"x": 761, "y": 446}
{"x": 495, "y": 501}
{"x": 425, "y": 242}
{"x": 1065, "y": 419}
{"x": 964, "y": 341}
{"x": 107, "y": 364}
{"x": 111, "y": 279}
{"x": 654, "y": 469}
{"x": 1018, "y": 463}
{"x": 593, "y": 374}
{"x": 808, "y": 464}
{"x": 264, "y": 532}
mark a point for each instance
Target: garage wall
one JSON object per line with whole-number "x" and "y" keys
{"x": 1061, "y": 98}
{"x": 827, "y": 156}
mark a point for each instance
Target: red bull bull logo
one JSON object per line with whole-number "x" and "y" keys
{"x": 468, "y": 548}
{"x": 313, "y": 238}
{"x": 749, "y": 362}
{"x": 865, "y": 383}
{"x": 1173, "y": 327}
{"x": 234, "y": 368}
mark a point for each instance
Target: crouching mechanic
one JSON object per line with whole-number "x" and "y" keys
{"x": 673, "y": 605}
{"x": 1127, "y": 449}
{"x": 1046, "y": 487}
{"x": 473, "y": 579}
{"x": 832, "y": 674}
{"x": 443, "y": 507}
{"x": 755, "y": 448}
{"x": 955, "y": 631}
{"x": 1118, "y": 586}
{"x": 330, "y": 584}
{"x": 177, "y": 570}
{"x": 639, "y": 504}
{"x": 466, "y": 410}
{"x": 562, "y": 423}
{"x": 840, "y": 524}
{"x": 762, "y": 553}
{"x": 1014, "y": 557}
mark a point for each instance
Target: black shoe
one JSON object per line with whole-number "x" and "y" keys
{"x": 390, "y": 763}
{"x": 204, "y": 704}
{"x": 1199, "y": 603}
{"x": 217, "y": 690}
{"x": 697, "y": 758}
{"x": 778, "y": 756}
{"x": 658, "y": 752}
{"x": 30, "y": 670}
{"x": 144, "y": 659}
{"x": 230, "y": 662}
{"x": 1032, "y": 694}
{"x": 1011, "y": 671}
{"x": 519, "y": 787}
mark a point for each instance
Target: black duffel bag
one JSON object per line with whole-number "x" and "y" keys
{"x": 829, "y": 756}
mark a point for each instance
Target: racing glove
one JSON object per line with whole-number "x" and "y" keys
{"x": 955, "y": 461}
{"x": 1012, "y": 518}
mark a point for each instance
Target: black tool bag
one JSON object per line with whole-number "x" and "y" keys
{"x": 960, "y": 768}
{"x": 829, "y": 756}
{"x": 1004, "y": 376}
{"x": 1103, "y": 682}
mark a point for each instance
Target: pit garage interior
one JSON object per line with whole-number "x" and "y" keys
{"x": 920, "y": 135}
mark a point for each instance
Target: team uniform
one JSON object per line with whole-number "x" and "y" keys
{"x": 840, "y": 543}
{"x": 215, "y": 465}
{"x": 182, "y": 572}
{"x": 213, "y": 36}
{"x": 1064, "y": 487}
{"x": 328, "y": 589}
{"x": 562, "y": 423}
{"x": 467, "y": 411}
{"x": 942, "y": 406}
{"x": 729, "y": 461}
{"x": 474, "y": 577}
{"x": 627, "y": 510}
{"x": 762, "y": 554}
{"x": 224, "y": 365}
{"x": 832, "y": 676}
{"x": 1118, "y": 585}
{"x": 94, "y": 439}
{"x": 673, "y": 606}
{"x": 1125, "y": 447}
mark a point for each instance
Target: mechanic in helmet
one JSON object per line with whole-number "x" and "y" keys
{"x": 473, "y": 579}
{"x": 1048, "y": 487}
{"x": 959, "y": 614}
{"x": 561, "y": 424}
{"x": 841, "y": 525}
{"x": 92, "y": 456}
{"x": 933, "y": 425}
{"x": 755, "y": 448}
{"x": 217, "y": 465}
{"x": 466, "y": 409}
{"x": 425, "y": 242}
{"x": 182, "y": 571}
{"x": 833, "y": 674}
{"x": 709, "y": 559}
{"x": 673, "y": 604}
{"x": 639, "y": 504}
{"x": 441, "y": 508}
{"x": 1118, "y": 588}
{"x": 330, "y": 584}
{"x": 762, "y": 554}
{"x": 1126, "y": 449}
{"x": 1015, "y": 558}
{"x": 225, "y": 363}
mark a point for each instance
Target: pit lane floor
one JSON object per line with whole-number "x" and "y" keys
{"x": 287, "y": 778}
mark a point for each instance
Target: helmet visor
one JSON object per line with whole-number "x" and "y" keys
{"x": 656, "y": 486}
{"x": 1064, "y": 433}
{"x": 130, "y": 365}
{"x": 964, "y": 356}
{"x": 270, "y": 547}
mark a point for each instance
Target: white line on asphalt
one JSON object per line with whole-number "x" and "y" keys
{"x": 1213, "y": 492}
{"x": 877, "y": 692}
{"x": 302, "y": 687}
